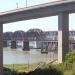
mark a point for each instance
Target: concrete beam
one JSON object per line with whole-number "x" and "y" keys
{"x": 63, "y": 36}
{"x": 1, "y": 49}
{"x": 39, "y": 11}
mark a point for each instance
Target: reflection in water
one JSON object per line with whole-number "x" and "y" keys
{"x": 17, "y": 56}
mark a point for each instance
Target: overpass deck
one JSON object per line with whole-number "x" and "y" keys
{"x": 38, "y": 11}
{"x": 37, "y": 6}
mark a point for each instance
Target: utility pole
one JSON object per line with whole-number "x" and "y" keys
{"x": 26, "y": 3}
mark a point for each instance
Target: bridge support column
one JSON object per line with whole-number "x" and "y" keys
{"x": 5, "y": 43}
{"x": 63, "y": 36}
{"x": 13, "y": 44}
{"x": 1, "y": 49}
{"x": 26, "y": 45}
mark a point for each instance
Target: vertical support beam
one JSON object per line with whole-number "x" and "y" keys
{"x": 63, "y": 36}
{"x": 4, "y": 43}
{"x": 26, "y": 45}
{"x": 1, "y": 49}
{"x": 13, "y": 44}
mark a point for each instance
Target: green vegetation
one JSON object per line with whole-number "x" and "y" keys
{"x": 66, "y": 68}
{"x": 20, "y": 67}
{"x": 69, "y": 64}
{"x": 44, "y": 71}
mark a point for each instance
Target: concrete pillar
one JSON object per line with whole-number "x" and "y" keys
{"x": 4, "y": 43}
{"x": 26, "y": 45}
{"x": 63, "y": 36}
{"x": 13, "y": 44}
{"x": 1, "y": 49}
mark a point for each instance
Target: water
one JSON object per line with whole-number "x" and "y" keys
{"x": 18, "y": 56}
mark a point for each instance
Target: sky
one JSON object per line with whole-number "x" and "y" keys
{"x": 46, "y": 24}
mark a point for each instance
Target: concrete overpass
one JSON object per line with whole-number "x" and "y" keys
{"x": 60, "y": 8}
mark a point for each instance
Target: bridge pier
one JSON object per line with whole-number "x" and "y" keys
{"x": 63, "y": 36}
{"x": 5, "y": 43}
{"x": 1, "y": 49}
{"x": 26, "y": 45}
{"x": 13, "y": 44}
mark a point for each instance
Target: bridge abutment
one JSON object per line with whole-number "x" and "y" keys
{"x": 63, "y": 36}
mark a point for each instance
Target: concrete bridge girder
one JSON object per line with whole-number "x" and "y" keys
{"x": 38, "y": 11}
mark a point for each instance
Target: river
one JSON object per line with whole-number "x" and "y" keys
{"x": 18, "y": 56}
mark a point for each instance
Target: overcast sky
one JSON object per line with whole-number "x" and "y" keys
{"x": 46, "y": 24}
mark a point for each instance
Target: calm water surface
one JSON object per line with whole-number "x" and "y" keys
{"x": 18, "y": 56}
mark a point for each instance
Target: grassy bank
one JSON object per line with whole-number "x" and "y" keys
{"x": 21, "y": 67}
{"x": 65, "y": 68}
